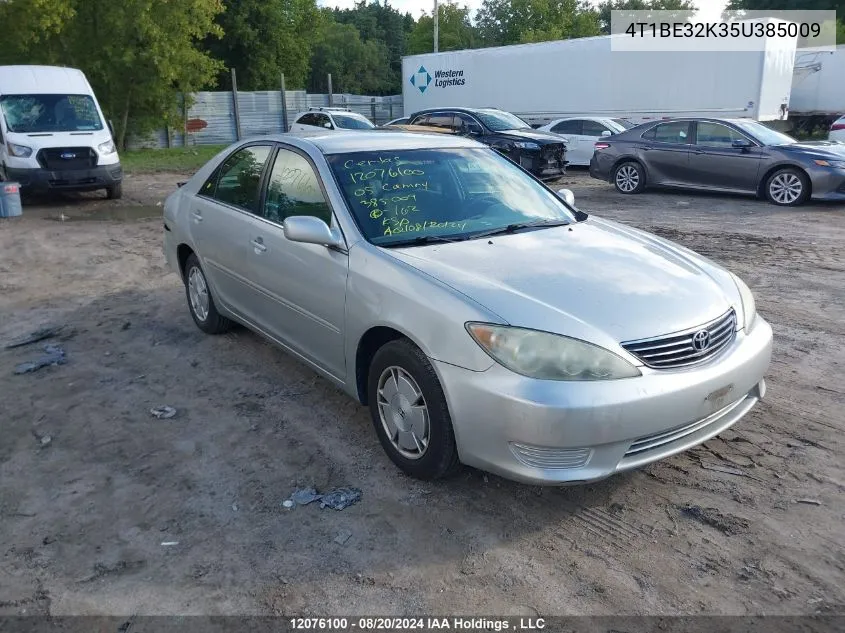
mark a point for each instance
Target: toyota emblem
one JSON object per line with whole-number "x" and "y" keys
{"x": 701, "y": 340}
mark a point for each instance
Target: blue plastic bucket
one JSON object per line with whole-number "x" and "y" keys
{"x": 10, "y": 200}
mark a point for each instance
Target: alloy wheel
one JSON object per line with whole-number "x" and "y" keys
{"x": 627, "y": 178}
{"x": 786, "y": 188}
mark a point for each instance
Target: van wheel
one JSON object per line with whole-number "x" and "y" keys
{"x": 788, "y": 187}
{"x": 409, "y": 411}
{"x": 115, "y": 192}
{"x": 629, "y": 177}
{"x": 3, "y": 173}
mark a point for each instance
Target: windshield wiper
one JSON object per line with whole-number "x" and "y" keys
{"x": 516, "y": 226}
{"x": 424, "y": 239}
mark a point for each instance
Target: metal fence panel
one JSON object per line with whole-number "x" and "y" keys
{"x": 211, "y": 117}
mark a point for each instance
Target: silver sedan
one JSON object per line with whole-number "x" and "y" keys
{"x": 482, "y": 317}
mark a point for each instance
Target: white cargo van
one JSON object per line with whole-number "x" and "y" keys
{"x": 53, "y": 136}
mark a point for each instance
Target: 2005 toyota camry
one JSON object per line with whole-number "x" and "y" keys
{"x": 481, "y": 316}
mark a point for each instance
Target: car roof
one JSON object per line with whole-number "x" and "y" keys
{"x": 457, "y": 109}
{"x": 375, "y": 140}
{"x": 18, "y": 80}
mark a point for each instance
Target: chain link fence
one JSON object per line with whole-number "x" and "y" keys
{"x": 216, "y": 118}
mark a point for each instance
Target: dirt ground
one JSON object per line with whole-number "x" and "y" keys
{"x": 92, "y": 486}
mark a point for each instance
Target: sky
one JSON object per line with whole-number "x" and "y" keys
{"x": 708, "y": 9}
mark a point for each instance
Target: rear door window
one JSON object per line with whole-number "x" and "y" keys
{"x": 239, "y": 178}
{"x": 677, "y": 132}
{"x": 573, "y": 126}
{"x": 442, "y": 120}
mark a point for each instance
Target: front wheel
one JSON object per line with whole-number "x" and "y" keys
{"x": 409, "y": 412}
{"x": 115, "y": 192}
{"x": 629, "y": 177}
{"x": 788, "y": 187}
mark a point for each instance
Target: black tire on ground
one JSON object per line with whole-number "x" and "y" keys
{"x": 440, "y": 457}
{"x": 115, "y": 192}
{"x": 787, "y": 187}
{"x": 213, "y": 323}
{"x": 629, "y": 177}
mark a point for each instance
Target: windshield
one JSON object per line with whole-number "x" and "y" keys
{"x": 499, "y": 121}
{"x": 766, "y": 135}
{"x": 346, "y": 122}
{"x": 399, "y": 196}
{"x": 50, "y": 113}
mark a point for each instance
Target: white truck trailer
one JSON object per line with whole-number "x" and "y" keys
{"x": 580, "y": 77}
{"x": 818, "y": 89}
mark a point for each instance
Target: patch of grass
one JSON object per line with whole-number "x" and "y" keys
{"x": 185, "y": 159}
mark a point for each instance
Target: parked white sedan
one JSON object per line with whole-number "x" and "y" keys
{"x": 837, "y": 130}
{"x": 581, "y": 134}
{"x": 331, "y": 119}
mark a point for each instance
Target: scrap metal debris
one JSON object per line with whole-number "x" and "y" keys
{"x": 337, "y": 499}
{"x": 53, "y": 355}
{"x": 37, "y": 335}
{"x": 163, "y": 412}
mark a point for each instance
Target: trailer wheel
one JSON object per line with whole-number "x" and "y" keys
{"x": 629, "y": 177}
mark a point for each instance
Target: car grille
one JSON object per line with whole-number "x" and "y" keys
{"x": 684, "y": 348}
{"x": 67, "y": 158}
{"x": 651, "y": 442}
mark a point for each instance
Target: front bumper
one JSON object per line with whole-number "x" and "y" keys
{"x": 43, "y": 180}
{"x": 545, "y": 164}
{"x": 548, "y": 432}
{"x": 827, "y": 183}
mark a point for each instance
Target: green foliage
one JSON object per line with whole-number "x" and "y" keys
{"x": 136, "y": 53}
{"x": 455, "y": 30}
{"x": 380, "y": 23}
{"x": 264, "y": 38}
{"x": 187, "y": 159}
{"x": 503, "y": 22}
{"x": 607, "y": 6}
{"x": 356, "y": 66}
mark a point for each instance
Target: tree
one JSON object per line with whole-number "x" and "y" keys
{"x": 607, "y": 6}
{"x": 264, "y": 38}
{"x": 137, "y": 54}
{"x": 356, "y": 66}
{"x": 516, "y": 21}
{"x": 455, "y": 29}
{"x": 377, "y": 22}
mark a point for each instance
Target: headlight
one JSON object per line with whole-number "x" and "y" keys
{"x": 749, "y": 308}
{"x": 549, "y": 356}
{"x": 21, "y": 151}
{"x": 107, "y": 148}
{"x": 526, "y": 145}
{"x": 839, "y": 164}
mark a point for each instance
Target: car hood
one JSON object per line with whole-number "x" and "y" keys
{"x": 595, "y": 280}
{"x": 830, "y": 149}
{"x": 538, "y": 136}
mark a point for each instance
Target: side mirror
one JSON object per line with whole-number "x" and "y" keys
{"x": 311, "y": 230}
{"x": 567, "y": 196}
{"x": 741, "y": 143}
{"x": 327, "y": 125}
{"x": 607, "y": 133}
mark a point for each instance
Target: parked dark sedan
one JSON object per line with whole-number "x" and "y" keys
{"x": 730, "y": 155}
{"x": 541, "y": 153}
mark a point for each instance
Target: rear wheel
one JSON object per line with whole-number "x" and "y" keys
{"x": 629, "y": 177}
{"x": 788, "y": 187}
{"x": 409, "y": 411}
{"x": 200, "y": 300}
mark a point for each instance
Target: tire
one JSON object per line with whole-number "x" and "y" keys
{"x": 115, "y": 192}
{"x": 202, "y": 307}
{"x": 629, "y": 177}
{"x": 3, "y": 173}
{"x": 403, "y": 360}
{"x": 788, "y": 187}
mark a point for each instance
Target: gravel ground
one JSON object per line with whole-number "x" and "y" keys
{"x": 105, "y": 509}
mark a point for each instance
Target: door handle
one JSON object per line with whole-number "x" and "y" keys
{"x": 197, "y": 216}
{"x": 646, "y": 148}
{"x": 698, "y": 151}
{"x": 258, "y": 245}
